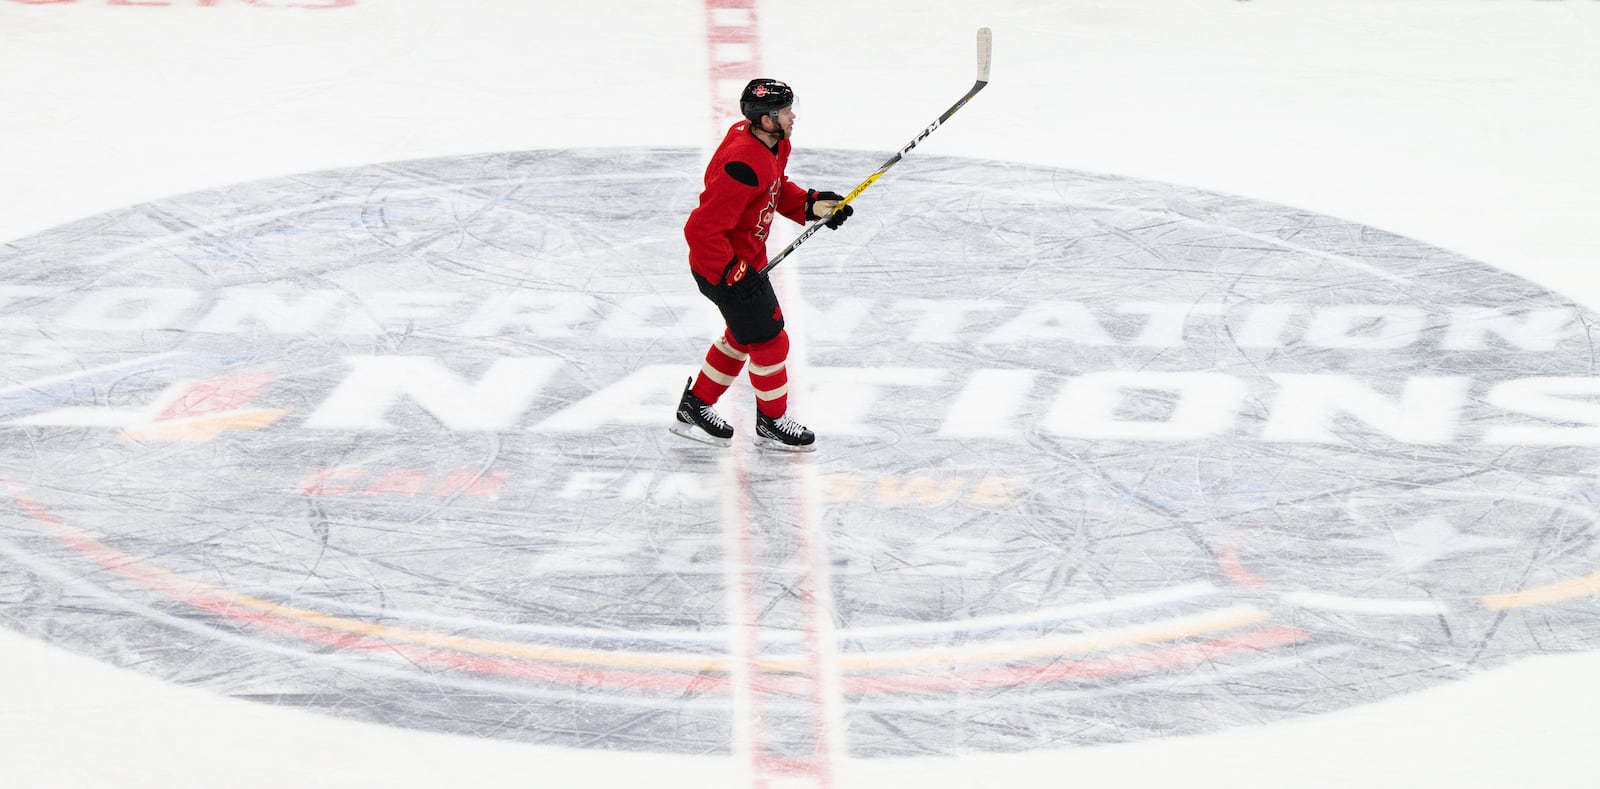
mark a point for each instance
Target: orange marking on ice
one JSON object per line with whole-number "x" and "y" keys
{"x": 204, "y": 429}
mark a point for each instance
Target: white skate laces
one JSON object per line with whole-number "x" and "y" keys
{"x": 781, "y": 432}
{"x": 714, "y": 419}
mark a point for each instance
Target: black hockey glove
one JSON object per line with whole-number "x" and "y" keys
{"x": 821, "y": 204}
{"x": 740, "y": 279}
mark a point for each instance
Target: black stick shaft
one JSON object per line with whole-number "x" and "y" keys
{"x": 984, "y": 44}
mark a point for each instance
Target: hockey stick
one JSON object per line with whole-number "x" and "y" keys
{"x": 983, "y": 79}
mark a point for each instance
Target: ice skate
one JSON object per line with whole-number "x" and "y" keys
{"x": 700, "y": 422}
{"x": 783, "y": 433}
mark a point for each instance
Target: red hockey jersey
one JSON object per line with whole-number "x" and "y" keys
{"x": 745, "y": 187}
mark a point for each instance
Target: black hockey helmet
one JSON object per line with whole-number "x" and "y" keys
{"x": 764, "y": 97}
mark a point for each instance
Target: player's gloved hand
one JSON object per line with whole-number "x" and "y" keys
{"x": 821, "y": 204}
{"x": 740, "y": 279}
{"x": 735, "y": 273}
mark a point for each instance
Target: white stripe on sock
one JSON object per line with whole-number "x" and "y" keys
{"x": 716, "y": 375}
{"x": 728, "y": 351}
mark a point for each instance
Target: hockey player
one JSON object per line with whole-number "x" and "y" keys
{"x": 745, "y": 188}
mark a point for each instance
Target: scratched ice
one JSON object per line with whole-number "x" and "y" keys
{"x": 1102, "y": 460}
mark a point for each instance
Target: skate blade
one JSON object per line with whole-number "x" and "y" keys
{"x": 774, "y": 444}
{"x": 694, "y": 433}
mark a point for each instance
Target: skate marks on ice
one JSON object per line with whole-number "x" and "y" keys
{"x": 1101, "y": 460}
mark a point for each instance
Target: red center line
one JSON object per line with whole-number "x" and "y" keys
{"x": 811, "y": 555}
{"x": 753, "y": 683}
{"x": 733, "y": 49}
{"x": 748, "y": 685}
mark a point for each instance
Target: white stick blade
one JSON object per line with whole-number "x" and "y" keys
{"x": 985, "y": 44}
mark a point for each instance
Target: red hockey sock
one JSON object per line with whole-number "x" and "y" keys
{"x": 769, "y": 374}
{"x": 723, "y": 362}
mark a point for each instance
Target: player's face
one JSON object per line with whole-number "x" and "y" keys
{"x": 786, "y": 120}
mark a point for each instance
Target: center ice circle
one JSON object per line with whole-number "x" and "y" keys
{"x": 1101, "y": 459}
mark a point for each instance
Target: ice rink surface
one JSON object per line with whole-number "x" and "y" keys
{"x": 1210, "y": 402}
